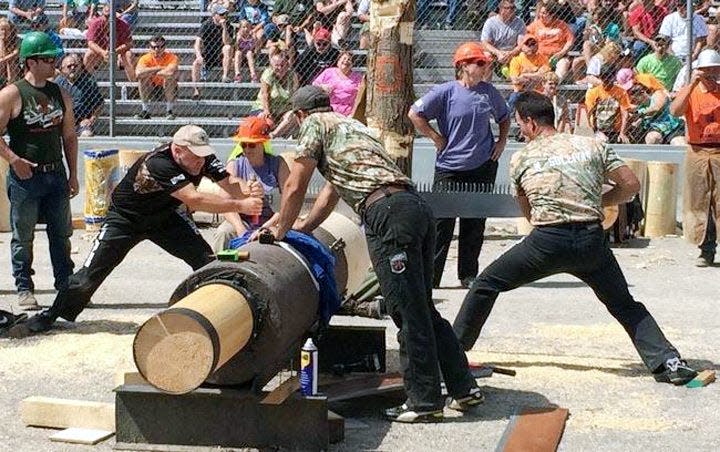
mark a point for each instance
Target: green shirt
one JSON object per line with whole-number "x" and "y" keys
{"x": 36, "y": 133}
{"x": 562, "y": 176}
{"x": 348, "y": 155}
{"x": 280, "y": 92}
{"x": 665, "y": 69}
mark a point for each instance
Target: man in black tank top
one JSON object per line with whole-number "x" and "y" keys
{"x": 38, "y": 117}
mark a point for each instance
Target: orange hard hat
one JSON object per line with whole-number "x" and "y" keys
{"x": 253, "y": 129}
{"x": 469, "y": 52}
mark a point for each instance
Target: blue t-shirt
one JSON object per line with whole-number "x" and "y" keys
{"x": 463, "y": 117}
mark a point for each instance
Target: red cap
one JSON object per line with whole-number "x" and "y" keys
{"x": 321, "y": 34}
{"x": 253, "y": 129}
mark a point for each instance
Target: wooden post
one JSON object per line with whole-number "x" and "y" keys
{"x": 662, "y": 199}
{"x": 390, "y": 77}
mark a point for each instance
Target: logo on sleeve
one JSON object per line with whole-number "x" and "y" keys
{"x": 178, "y": 178}
{"x": 398, "y": 262}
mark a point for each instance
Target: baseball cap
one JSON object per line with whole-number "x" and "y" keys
{"x": 194, "y": 138}
{"x": 625, "y": 78}
{"x": 310, "y": 97}
{"x": 253, "y": 130}
{"x": 321, "y": 34}
{"x": 218, "y": 9}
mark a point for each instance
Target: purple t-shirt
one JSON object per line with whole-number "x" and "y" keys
{"x": 463, "y": 117}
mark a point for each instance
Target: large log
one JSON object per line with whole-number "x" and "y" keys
{"x": 234, "y": 323}
{"x": 390, "y": 77}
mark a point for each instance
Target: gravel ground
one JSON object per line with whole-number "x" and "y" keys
{"x": 566, "y": 348}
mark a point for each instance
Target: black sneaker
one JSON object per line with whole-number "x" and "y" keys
{"x": 474, "y": 398}
{"x": 143, "y": 115}
{"x": 36, "y": 324}
{"x": 404, "y": 413}
{"x": 8, "y": 320}
{"x": 705, "y": 260}
{"x": 676, "y": 371}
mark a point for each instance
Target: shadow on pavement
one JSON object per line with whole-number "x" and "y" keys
{"x": 627, "y": 370}
{"x": 128, "y": 306}
{"x": 499, "y": 404}
{"x": 94, "y": 326}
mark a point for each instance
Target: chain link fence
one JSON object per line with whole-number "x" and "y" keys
{"x": 213, "y": 62}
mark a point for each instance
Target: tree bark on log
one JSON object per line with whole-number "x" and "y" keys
{"x": 390, "y": 77}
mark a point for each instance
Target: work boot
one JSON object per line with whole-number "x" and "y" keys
{"x": 675, "y": 371}
{"x": 404, "y": 413}
{"x": 474, "y": 398}
{"x": 27, "y": 301}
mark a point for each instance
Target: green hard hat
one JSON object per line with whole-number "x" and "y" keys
{"x": 37, "y": 44}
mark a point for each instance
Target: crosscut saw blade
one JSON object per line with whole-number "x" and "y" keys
{"x": 459, "y": 200}
{"x": 470, "y": 200}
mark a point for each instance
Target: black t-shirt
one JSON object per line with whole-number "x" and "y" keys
{"x": 212, "y": 42}
{"x": 145, "y": 193}
{"x": 311, "y": 63}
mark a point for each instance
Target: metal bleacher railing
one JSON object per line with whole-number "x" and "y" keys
{"x": 440, "y": 27}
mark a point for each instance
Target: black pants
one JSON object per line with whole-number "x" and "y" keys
{"x": 472, "y": 230}
{"x": 581, "y": 250}
{"x": 400, "y": 233}
{"x": 177, "y": 235}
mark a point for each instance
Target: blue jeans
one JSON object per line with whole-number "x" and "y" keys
{"x": 44, "y": 196}
{"x": 582, "y": 251}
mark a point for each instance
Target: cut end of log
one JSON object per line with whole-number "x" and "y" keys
{"x": 173, "y": 352}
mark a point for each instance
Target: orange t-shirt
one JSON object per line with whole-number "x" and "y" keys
{"x": 165, "y": 60}
{"x": 702, "y": 116}
{"x": 523, "y": 63}
{"x": 551, "y": 39}
{"x": 599, "y": 93}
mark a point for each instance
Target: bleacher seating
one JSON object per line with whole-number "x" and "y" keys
{"x": 223, "y": 103}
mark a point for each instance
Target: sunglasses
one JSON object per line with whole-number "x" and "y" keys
{"x": 47, "y": 60}
{"x": 70, "y": 66}
{"x": 158, "y": 46}
{"x": 531, "y": 43}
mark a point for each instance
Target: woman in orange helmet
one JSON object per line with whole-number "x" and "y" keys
{"x": 466, "y": 148}
{"x": 252, "y": 162}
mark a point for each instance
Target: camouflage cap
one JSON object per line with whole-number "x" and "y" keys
{"x": 309, "y": 98}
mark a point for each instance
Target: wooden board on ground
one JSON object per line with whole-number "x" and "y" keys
{"x": 362, "y": 386}
{"x": 78, "y": 223}
{"x": 534, "y": 430}
{"x": 63, "y": 413}
{"x": 703, "y": 379}
{"x": 282, "y": 392}
{"x": 129, "y": 378}
{"x": 87, "y": 436}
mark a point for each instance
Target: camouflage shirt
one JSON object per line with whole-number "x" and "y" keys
{"x": 562, "y": 176}
{"x": 348, "y": 155}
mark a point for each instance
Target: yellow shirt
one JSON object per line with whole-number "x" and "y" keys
{"x": 522, "y": 63}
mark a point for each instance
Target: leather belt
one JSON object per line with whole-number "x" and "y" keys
{"x": 382, "y": 192}
{"x": 48, "y": 167}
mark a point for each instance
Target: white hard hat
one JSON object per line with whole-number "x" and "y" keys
{"x": 708, "y": 58}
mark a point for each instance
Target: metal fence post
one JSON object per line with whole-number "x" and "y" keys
{"x": 690, "y": 13}
{"x": 112, "y": 45}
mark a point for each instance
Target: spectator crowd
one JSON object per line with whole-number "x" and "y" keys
{"x": 628, "y": 56}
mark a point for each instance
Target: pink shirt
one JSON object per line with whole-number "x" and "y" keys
{"x": 344, "y": 89}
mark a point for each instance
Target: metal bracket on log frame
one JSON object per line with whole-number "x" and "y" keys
{"x": 390, "y": 77}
